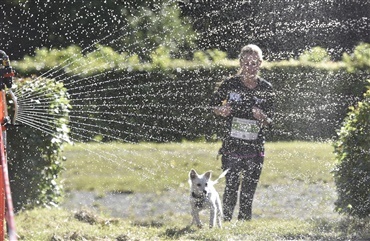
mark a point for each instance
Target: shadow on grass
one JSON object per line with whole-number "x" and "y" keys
{"x": 146, "y": 224}
{"x": 176, "y": 233}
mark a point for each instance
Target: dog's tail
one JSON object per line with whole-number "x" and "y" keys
{"x": 221, "y": 176}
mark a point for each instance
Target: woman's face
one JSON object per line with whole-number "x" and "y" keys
{"x": 250, "y": 64}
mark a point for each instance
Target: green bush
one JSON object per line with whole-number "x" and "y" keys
{"x": 71, "y": 61}
{"x": 359, "y": 60}
{"x": 100, "y": 59}
{"x": 316, "y": 54}
{"x": 34, "y": 149}
{"x": 46, "y": 60}
{"x": 352, "y": 173}
{"x": 161, "y": 57}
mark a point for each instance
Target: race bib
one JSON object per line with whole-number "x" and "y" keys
{"x": 244, "y": 129}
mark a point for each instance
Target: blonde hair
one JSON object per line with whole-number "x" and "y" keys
{"x": 249, "y": 49}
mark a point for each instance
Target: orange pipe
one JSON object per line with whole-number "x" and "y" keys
{"x": 2, "y": 205}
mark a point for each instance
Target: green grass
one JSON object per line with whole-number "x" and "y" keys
{"x": 149, "y": 167}
{"x": 62, "y": 224}
{"x": 300, "y": 161}
{"x": 144, "y": 167}
{"x": 55, "y": 224}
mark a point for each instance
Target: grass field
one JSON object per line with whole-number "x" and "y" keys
{"x": 158, "y": 168}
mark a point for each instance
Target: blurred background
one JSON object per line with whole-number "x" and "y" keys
{"x": 283, "y": 29}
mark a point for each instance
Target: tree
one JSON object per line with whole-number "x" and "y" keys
{"x": 159, "y": 26}
{"x": 283, "y": 29}
{"x": 124, "y": 25}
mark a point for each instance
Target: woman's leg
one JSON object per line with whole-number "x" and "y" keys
{"x": 231, "y": 188}
{"x": 251, "y": 175}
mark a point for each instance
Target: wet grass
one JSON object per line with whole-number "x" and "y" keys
{"x": 159, "y": 167}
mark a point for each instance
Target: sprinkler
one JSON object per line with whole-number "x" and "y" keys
{"x": 6, "y": 71}
{"x": 6, "y": 80}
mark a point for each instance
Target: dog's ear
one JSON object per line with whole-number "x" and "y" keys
{"x": 193, "y": 174}
{"x": 208, "y": 175}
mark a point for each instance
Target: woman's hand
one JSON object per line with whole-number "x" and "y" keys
{"x": 260, "y": 116}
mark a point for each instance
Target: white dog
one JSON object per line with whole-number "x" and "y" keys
{"x": 203, "y": 195}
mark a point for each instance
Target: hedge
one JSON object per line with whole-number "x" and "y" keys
{"x": 34, "y": 149}
{"x": 115, "y": 97}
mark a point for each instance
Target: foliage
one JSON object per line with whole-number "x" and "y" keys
{"x": 315, "y": 54}
{"x": 45, "y": 59}
{"x": 209, "y": 56}
{"x": 359, "y": 60}
{"x": 352, "y": 173}
{"x": 161, "y": 57}
{"x": 140, "y": 26}
{"x": 281, "y": 28}
{"x": 73, "y": 61}
{"x": 154, "y": 28}
{"x": 35, "y": 152}
{"x": 103, "y": 59}
{"x": 135, "y": 26}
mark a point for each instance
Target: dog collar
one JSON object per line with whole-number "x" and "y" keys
{"x": 196, "y": 196}
{"x": 199, "y": 200}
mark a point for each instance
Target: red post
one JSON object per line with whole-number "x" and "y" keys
{"x": 2, "y": 180}
{"x": 6, "y": 203}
